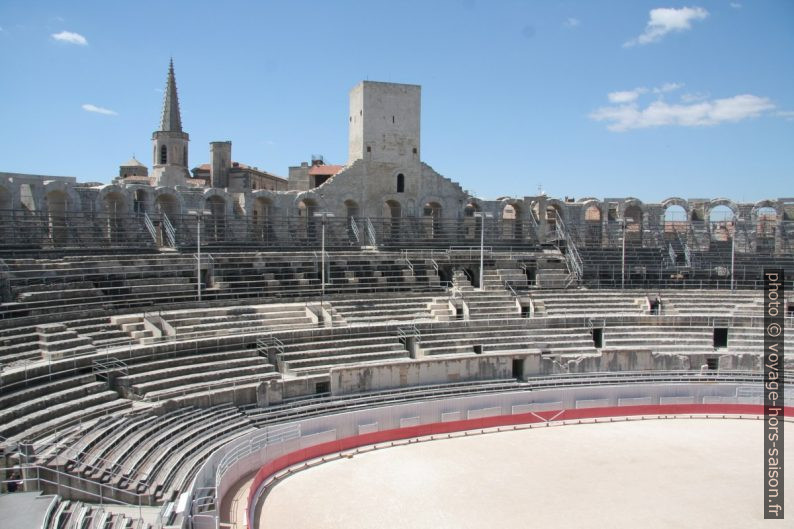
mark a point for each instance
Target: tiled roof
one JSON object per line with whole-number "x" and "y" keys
{"x": 322, "y": 169}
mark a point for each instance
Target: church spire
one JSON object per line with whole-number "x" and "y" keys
{"x": 171, "y": 121}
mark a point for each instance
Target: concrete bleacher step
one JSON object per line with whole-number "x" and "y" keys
{"x": 210, "y": 383}
{"x": 12, "y": 417}
{"x": 76, "y": 411}
{"x": 135, "y": 457}
{"x": 181, "y": 366}
{"x": 190, "y": 375}
{"x": 339, "y": 359}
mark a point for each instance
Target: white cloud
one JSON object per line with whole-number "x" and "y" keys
{"x": 690, "y": 97}
{"x": 99, "y": 110}
{"x": 626, "y": 96}
{"x": 664, "y": 20}
{"x": 571, "y": 22}
{"x": 659, "y": 113}
{"x": 71, "y": 38}
{"x": 667, "y": 87}
{"x": 788, "y": 115}
{"x": 736, "y": 5}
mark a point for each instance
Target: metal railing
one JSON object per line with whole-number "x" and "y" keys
{"x": 170, "y": 231}
{"x": 373, "y": 240}
{"x": 411, "y": 331}
{"x": 354, "y": 230}
{"x": 150, "y": 227}
{"x": 572, "y": 257}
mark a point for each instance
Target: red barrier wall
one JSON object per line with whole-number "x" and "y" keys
{"x": 355, "y": 441}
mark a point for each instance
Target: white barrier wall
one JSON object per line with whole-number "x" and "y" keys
{"x": 429, "y": 371}
{"x": 249, "y": 452}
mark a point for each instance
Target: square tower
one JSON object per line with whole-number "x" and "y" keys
{"x": 384, "y": 122}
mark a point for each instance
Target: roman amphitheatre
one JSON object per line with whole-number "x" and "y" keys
{"x": 371, "y": 345}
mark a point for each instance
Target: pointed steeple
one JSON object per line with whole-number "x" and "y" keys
{"x": 171, "y": 121}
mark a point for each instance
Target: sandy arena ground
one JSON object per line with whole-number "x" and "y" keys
{"x": 675, "y": 473}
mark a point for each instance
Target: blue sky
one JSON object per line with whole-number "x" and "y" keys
{"x": 583, "y": 98}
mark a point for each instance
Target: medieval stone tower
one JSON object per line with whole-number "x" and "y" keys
{"x": 170, "y": 142}
{"x": 384, "y": 123}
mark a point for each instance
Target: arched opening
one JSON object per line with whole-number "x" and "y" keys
{"x": 721, "y": 225}
{"x": 511, "y": 222}
{"x": 592, "y": 222}
{"x": 401, "y": 183}
{"x": 431, "y": 214}
{"x": 351, "y": 208}
{"x": 139, "y": 201}
{"x": 765, "y": 223}
{"x": 114, "y": 206}
{"x": 163, "y": 155}
{"x": 216, "y": 223}
{"x": 632, "y": 216}
{"x": 471, "y": 224}
{"x": 675, "y": 221}
{"x": 307, "y": 221}
{"x": 167, "y": 205}
{"x": 553, "y": 212}
{"x": 260, "y": 219}
{"x": 57, "y": 204}
{"x": 351, "y": 212}
{"x": 392, "y": 211}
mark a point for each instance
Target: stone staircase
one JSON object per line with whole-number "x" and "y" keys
{"x": 486, "y": 304}
{"x": 56, "y": 341}
{"x": 440, "y": 310}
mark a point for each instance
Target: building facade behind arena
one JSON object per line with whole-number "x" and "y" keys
{"x": 385, "y": 193}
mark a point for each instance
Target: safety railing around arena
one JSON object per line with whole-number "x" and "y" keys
{"x": 551, "y": 322}
{"x": 253, "y": 451}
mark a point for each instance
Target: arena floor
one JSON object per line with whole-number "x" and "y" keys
{"x": 671, "y": 473}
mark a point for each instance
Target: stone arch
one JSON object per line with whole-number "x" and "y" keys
{"x": 470, "y": 222}
{"x": 57, "y": 224}
{"x": 765, "y": 206}
{"x": 167, "y": 201}
{"x": 554, "y": 208}
{"x": 431, "y": 219}
{"x": 307, "y": 206}
{"x": 112, "y": 199}
{"x": 141, "y": 196}
{"x": 721, "y": 222}
{"x": 114, "y": 204}
{"x": 216, "y": 206}
{"x": 262, "y": 210}
{"x": 676, "y": 201}
{"x": 766, "y": 215}
{"x": 73, "y": 202}
{"x": 720, "y": 213}
{"x": 730, "y": 204}
{"x": 633, "y": 218}
{"x": 675, "y": 216}
{"x": 392, "y": 213}
{"x": 392, "y": 209}
{"x": 351, "y": 208}
{"x": 592, "y": 221}
{"x": 471, "y": 206}
{"x": 511, "y": 217}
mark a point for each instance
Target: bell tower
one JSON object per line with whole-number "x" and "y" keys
{"x": 169, "y": 144}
